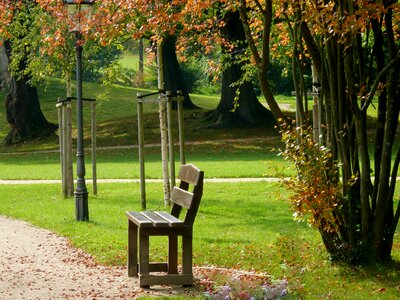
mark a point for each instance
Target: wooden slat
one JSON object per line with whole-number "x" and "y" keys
{"x": 155, "y": 219}
{"x": 189, "y": 173}
{"x": 139, "y": 219}
{"x": 172, "y": 221}
{"x": 153, "y": 267}
{"x": 158, "y": 267}
{"x": 169, "y": 279}
{"x": 181, "y": 197}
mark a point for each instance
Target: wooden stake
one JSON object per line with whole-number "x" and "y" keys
{"x": 181, "y": 129}
{"x": 93, "y": 129}
{"x": 141, "y": 151}
{"x": 60, "y": 108}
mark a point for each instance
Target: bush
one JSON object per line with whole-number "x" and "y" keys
{"x": 317, "y": 191}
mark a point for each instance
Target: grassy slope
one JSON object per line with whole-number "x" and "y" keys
{"x": 116, "y": 119}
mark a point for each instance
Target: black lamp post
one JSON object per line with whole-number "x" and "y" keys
{"x": 78, "y": 10}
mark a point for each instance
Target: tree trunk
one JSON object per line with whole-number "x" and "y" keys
{"x": 237, "y": 107}
{"x": 23, "y": 110}
{"x": 141, "y": 63}
{"x": 4, "y": 74}
{"x": 173, "y": 77}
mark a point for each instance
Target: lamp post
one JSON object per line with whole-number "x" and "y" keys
{"x": 78, "y": 10}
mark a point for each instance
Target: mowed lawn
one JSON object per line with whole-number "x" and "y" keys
{"x": 246, "y": 226}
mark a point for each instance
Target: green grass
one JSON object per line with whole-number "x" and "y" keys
{"x": 216, "y": 159}
{"x": 129, "y": 60}
{"x": 242, "y": 226}
{"x": 117, "y": 120}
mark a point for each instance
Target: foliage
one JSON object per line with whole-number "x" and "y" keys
{"x": 316, "y": 190}
{"x": 197, "y": 74}
{"x": 280, "y": 78}
{"x": 41, "y": 39}
{"x": 37, "y": 39}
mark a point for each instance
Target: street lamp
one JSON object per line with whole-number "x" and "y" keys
{"x": 78, "y": 12}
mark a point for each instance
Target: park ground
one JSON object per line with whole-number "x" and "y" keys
{"x": 246, "y": 227}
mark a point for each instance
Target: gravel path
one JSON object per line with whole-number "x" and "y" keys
{"x": 37, "y": 264}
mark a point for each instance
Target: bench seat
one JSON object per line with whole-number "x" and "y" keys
{"x": 157, "y": 219}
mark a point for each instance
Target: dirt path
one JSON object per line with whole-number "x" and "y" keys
{"x": 37, "y": 264}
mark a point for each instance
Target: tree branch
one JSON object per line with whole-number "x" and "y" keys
{"x": 247, "y": 30}
{"x": 259, "y": 6}
{"x": 375, "y": 86}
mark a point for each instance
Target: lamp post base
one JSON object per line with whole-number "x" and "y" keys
{"x": 81, "y": 205}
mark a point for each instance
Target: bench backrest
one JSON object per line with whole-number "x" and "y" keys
{"x": 182, "y": 197}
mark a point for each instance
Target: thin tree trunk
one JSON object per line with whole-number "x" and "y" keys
{"x": 163, "y": 126}
{"x": 141, "y": 63}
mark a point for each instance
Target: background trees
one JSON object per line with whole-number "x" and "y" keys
{"x": 354, "y": 48}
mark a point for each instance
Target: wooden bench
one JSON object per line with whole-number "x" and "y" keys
{"x": 144, "y": 224}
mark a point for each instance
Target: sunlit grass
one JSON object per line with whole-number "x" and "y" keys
{"x": 243, "y": 226}
{"x": 218, "y": 160}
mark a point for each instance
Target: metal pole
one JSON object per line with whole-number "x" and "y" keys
{"x": 141, "y": 150}
{"x": 170, "y": 140}
{"x": 68, "y": 149}
{"x": 81, "y": 193}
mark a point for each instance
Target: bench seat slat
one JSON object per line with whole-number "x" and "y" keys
{"x": 155, "y": 219}
{"x": 172, "y": 221}
{"x": 139, "y": 219}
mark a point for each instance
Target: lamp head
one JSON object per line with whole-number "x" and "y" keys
{"x": 79, "y": 11}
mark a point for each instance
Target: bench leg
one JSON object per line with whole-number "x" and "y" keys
{"x": 172, "y": 254}
{"x": 187, "y": 254}
{"x": 132, "y": 250}
{"x": 144, "y": 256}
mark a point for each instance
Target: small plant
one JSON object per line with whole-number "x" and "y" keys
{"x": 276, "y": 290}
{"x": 245, "y": 287}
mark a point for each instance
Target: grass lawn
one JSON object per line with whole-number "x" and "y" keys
{"x": 242, "y": 226}
{"x": 216, "y": 159}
